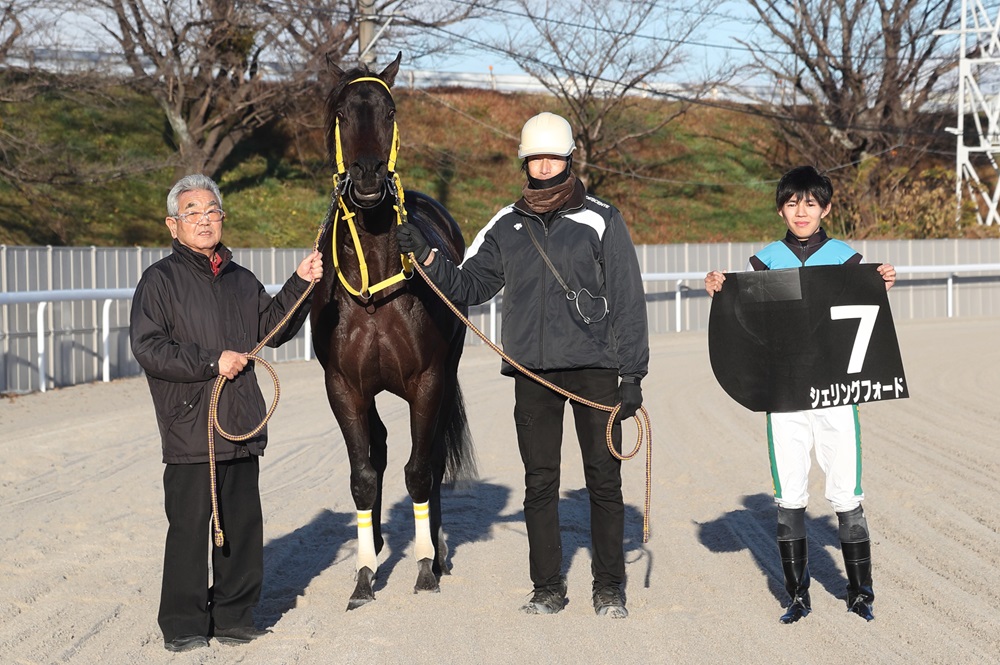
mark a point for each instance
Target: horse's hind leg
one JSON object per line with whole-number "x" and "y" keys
{"x": 450, "y": 432}
{"x": 441, "y": 566}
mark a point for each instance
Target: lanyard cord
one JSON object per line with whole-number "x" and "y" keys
{"x": 545, "y": 257}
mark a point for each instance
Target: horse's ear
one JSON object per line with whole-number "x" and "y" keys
{"x": 336, "y": 73}
{"x": 389, "y": 73}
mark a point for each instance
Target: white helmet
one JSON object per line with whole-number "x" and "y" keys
{"x": 546, "y": 134}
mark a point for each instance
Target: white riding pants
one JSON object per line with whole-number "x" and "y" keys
{"x": 835, "y": 433}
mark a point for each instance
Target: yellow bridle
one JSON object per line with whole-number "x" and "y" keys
{"x": 340, "y": 186}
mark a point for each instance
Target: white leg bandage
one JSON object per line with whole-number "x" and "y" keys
{"x": 366, "y": 542}
{"x": 423, "y": 547}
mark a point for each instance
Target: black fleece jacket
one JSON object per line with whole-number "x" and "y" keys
{"x": 589, "y": 244}
{"x": 183, "y": 318}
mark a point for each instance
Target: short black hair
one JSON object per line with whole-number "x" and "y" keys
{"x": 803, "y": 180}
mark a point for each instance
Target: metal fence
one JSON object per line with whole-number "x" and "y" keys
{"x": 55, "y": 340}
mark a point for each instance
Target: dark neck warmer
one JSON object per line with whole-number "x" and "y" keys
{"x": 813, "y": 241}
{"x": 544, "y": 196}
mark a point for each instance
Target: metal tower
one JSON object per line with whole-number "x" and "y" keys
{"x": 977, "y": 170}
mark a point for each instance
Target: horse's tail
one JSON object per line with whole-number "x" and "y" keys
{"x": 460, "y": 458}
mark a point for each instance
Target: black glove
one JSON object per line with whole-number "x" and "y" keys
{"x": 630, "y": 397}
{"x": 410, "y": 239}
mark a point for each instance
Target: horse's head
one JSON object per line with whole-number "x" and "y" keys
{"x": 360, "y": 129}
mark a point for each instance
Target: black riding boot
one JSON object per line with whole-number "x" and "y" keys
{"x": 795, "y": 565}
{"x": 858, "y": 561}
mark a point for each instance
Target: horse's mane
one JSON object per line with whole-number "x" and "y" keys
{"x": 330, "y": 111}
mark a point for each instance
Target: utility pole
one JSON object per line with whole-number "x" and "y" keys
{"x": 979, "y": 58}
{"x": 366, "y": 31}
{"x": 367, "y": 36}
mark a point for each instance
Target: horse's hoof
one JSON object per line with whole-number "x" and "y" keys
{"x": 442, "y": 557}
{"x": 426, "y": 579}
{"x": 363, "y": 593}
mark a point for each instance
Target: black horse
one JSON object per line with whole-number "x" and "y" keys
{"x": 376, "y": 330}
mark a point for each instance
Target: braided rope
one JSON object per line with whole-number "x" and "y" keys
{"x": 213, "y": 405}
{"x": 645, "y": 429}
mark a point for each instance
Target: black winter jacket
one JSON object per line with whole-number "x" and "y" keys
{"x": 183, "y": 318}
{"x": 589, "y": 244}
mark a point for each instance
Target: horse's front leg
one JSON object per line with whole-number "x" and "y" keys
{"x": 370, "y": 541}
{"x": 422, "y": 483}
{"x": 354, "y": 419}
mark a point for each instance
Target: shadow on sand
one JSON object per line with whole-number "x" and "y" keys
{"x": 753, "y": 528}
{"x": 294, "y": 560}
{"x": 291, "y": 562}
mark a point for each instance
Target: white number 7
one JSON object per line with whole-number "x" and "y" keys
{"x": 867, "y": 314}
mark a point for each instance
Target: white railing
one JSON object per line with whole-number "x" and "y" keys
{"x": 952, "y": 271}
{"x": 43, "y": 298}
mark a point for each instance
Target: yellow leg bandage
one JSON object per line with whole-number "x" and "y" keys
{"x": 366, "y": 542}
{"x": 423, "y": 546}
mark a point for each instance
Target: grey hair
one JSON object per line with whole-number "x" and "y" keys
{"x": 190, "y": 183}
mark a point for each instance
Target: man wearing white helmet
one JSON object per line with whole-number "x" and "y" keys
{"x": 574, "y": 312}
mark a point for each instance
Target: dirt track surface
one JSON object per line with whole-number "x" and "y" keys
{"x": 82, "y": 529}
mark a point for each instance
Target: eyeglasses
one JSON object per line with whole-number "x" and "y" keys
{"x": 213, "y": 216}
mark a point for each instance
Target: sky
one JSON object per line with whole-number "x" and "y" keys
{"x": 713, "y": 45}
{"x": 716, "y": 44}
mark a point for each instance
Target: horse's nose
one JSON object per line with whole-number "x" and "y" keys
{"x": 368, "y": 170}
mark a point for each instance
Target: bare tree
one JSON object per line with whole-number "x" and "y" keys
{"x": 46, "y": 168}
{"x": 10, "y": 29}
{"x": 853, "y": 77}
{"x": 17, "y": 26}
{"x": 26, "y": 158}
{"x": 221, "y": 69}
{"x": 599, "y": 57}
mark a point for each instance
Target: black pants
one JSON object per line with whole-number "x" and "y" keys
{"x": 538, "y": 414}
{"x": 188, "y": 605}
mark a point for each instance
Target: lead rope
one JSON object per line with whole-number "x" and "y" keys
{"x": 645, "y": 429}
{"x": 213, "y": 405}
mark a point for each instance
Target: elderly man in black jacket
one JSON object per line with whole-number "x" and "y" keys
{"x": 195, "y": 315}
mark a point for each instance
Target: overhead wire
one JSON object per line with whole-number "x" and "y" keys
{"x": 299, "y": 6}
{"x": 352, "y": 14}
{"x": 699, "y": 101}
{"x": 681, "y": 98}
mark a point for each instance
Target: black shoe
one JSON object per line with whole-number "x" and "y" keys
{"x": 862, "y": 606}
{"x": 547, "y": 600}
{"x": 798, "y": 608}
{"x": 185, "y": 643}
{"x": 609, "y": 601}
{"x": 795, "y": 566}
{"x": 238, "y": 635}
{"x": 860, "y": 594}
